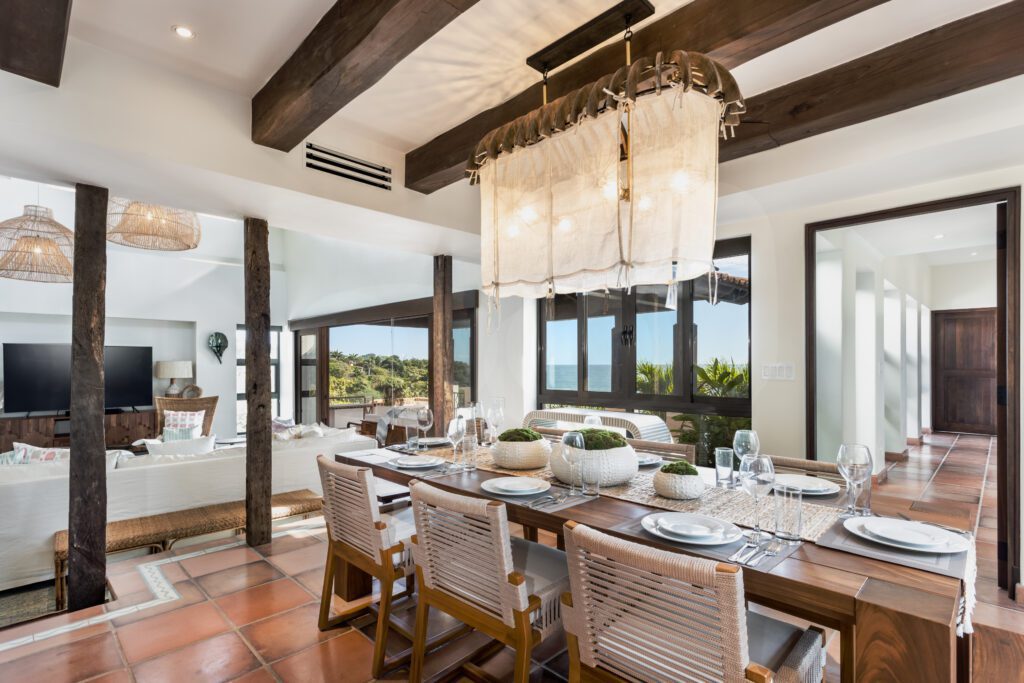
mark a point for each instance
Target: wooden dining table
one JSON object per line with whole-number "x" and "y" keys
{"x": 895, "y": 623}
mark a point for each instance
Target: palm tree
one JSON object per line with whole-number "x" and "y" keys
{"x": 654, "y": 379}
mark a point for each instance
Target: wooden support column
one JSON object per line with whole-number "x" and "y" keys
{"x": 257, "y": 382}
{"x": 87, "y": 491}
{"x": 441, "y": 347}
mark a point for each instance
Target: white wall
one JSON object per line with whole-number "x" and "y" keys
{"x": 964, "y": 285}
{"x": 507, "y": 338}
{"x": 202, "y": 289}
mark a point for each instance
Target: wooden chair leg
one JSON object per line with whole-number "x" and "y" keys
{"x": 419, "y": 640}
{"x": 380, "y": 642}
{"x": 324, "y": 622}
{"x": 523, "y": 646}
{"x": 530, "y": 533}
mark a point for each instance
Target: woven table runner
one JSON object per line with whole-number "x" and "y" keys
{"x": 731, "y": 505}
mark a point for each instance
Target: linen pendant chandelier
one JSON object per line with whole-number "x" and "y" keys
{"x": 151, "y": 226}
{"x": 612, "y": 185}
{"x": 36, "y": 247}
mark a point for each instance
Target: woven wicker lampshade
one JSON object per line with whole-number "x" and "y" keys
{"x": 149, "y": 226}
{"x": 35, "y": 247}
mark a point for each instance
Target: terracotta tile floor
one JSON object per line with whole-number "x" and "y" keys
{"x": 250, "y": 614}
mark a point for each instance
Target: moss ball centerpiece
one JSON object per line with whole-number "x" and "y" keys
{"x": 679, "y": 480}
{"x": 606, "y": 455}
{"x": 521, "y": 449}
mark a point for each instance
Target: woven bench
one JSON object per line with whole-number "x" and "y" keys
{"x": 160, "y": 532}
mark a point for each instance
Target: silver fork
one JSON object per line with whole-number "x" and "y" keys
{"x": 770, "y": 549}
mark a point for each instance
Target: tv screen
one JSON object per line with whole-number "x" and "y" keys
{"x": 37, "y": 377}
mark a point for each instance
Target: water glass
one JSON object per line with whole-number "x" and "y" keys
{"x": 572, "y": 446}
{"x": 593, "y": 421}
{"x": 757, "y": 477}
{"x": 724, "y": 458}
{"x": 788, "y": 513}
{"x": 855, "y": 464}
{"x": 469, "y": 445}
{"x": 591, "y": 477}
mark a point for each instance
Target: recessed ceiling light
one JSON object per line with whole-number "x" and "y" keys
{"x": 183, "y": 32}
{"x": 939, "y": 236}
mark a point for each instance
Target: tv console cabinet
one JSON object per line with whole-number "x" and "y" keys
{"x": 55, "y": 430}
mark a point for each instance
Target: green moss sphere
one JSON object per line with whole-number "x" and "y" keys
{"x": 602, "y": 439}
{"x": 519, "y": 434}
{"x": 679, "y": 467}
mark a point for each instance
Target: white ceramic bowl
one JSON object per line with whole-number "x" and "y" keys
{"x": 615, "y": 465}
{"x": 678, "y": 486}
{"x": 521, "y": 455}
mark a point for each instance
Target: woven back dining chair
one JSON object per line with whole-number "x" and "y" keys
{"x": 360, "y": 535}
{"x": 812, "y": 468}
{"x": 637, "y": 613}
{"x": 470, "y": 567}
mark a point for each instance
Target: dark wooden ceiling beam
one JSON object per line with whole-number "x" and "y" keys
{"x": 978, "y": 50}
{"x": 352, "y": 46}
{"x": 731, "y": 31}
{"x": 33, "y": 35}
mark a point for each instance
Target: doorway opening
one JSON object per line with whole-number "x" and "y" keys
{"x": 912, "y": 328}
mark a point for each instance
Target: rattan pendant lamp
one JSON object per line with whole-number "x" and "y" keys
{"x": 36, "y": 247}
{"x": 149, "y": 226}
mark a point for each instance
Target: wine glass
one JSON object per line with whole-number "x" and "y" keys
{"x": 456, "y": 433}
{"x": 757, "y": 477}
{"x": 425, "y": 420}
{"x": 593, "y": 421}
{"x": 855, "y": 464}
{"x": 572, "y": 444}
{"x": 745, "y": 442}
{"x": 495, "y": 418}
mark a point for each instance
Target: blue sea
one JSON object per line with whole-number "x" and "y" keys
{"x": 564, "y": 377}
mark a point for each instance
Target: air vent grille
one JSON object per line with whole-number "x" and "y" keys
{"x": 349, "y": 167}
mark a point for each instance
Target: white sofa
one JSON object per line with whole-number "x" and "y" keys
{"x": 34, "y": 498}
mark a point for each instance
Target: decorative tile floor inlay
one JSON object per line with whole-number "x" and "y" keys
{"x": 152, "y": 574}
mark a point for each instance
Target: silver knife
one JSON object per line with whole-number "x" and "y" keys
{"x": 745, "y": 557}
{"x": 756, "y": 557}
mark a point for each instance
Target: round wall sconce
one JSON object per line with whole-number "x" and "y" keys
{"x": 218, "y": 343}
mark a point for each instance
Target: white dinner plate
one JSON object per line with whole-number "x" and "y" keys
{"x": 435, "y": 441}
{"x": 647, "y": 459}
{"x": 417, "y": 461}
{"x": 905, "y": 532}
{"x": 810, "y": 486}
{"x": 515, "y": 486}
{"x": 663, "y": 524}
{"x": 953, "y": 543}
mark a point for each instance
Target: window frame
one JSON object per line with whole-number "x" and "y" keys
{"x": 683, "y": 399}
{"x": 275, "y": 369}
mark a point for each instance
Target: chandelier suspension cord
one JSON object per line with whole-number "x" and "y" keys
{"x": 627, "y": 195}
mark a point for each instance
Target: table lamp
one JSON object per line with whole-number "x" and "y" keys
{"x": 173, "y": 370}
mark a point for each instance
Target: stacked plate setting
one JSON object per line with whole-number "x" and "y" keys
{"x": 515, "y": 486}
{"x": 809, "y": 486}
{"x": 688, "y": 527}
{"x": 648, "y": 459}
{"x": 907, "y": 535}
{"x": 415, "y": 462}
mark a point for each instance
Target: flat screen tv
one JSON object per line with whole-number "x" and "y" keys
{"x": 37, "y": 377}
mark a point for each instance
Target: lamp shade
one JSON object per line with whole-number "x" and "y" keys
{"x": 173, "y": 369}
{"x": 35, "y": 247}
{"x": 150, "y": 226}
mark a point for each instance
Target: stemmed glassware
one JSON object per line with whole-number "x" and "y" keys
{"x": 593, "y": 421}
{"x": 757, "y": 477}
{"x": 425, "y": 420}
{"x": 572, "y": 445}
{"x": 855, "y": 464}
{"x": 495, "y": 418}
{"x": 456, "y": 433}
{"x": 745, "y": 442}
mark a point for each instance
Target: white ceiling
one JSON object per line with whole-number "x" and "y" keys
{"x": 956, "y": 236}
{"x": 238, "y": 43}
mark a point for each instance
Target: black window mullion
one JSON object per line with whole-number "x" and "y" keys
{"x": 627, "y": 368}
{"x": 686, "y": 336}
{"x": 581, "y": 345}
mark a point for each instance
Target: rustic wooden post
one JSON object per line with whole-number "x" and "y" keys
{"x": 87, "y": 491}
{"x": 441, "y": 346}
{"x": 257, "y": 382}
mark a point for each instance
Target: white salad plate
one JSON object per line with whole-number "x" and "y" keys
{"x": 435, "y": 441}
{"x": 687, "y": 527}
{"x": 810, "y": 486}
{"x": 942, "y": 542}
{"x": 515, "y": 486}
{"x": 417, "y": 461}
{"x": 647, "y": 459}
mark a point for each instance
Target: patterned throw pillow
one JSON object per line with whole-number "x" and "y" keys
{"x": 184, "y": 419}
{"x": 181, "y": 433}
{"x": 25, "y": 453}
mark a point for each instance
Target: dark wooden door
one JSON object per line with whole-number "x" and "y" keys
{"x": 964, "y": 370}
